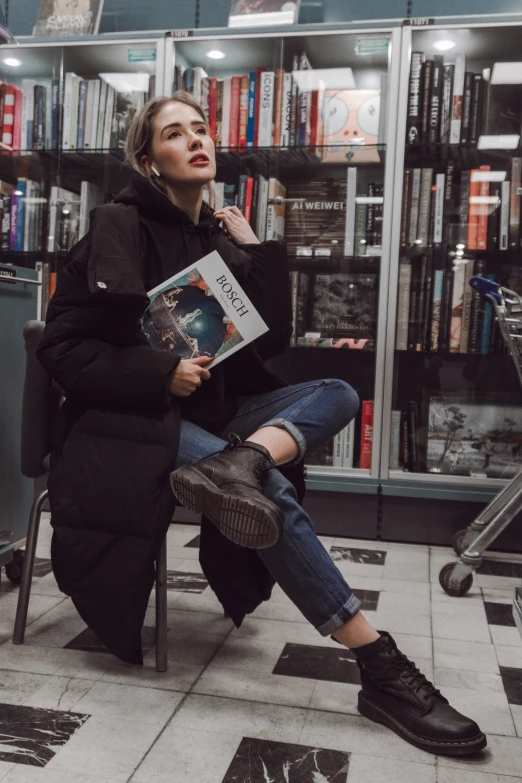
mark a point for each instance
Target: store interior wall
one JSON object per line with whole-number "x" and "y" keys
{"x": 134, "y": 15}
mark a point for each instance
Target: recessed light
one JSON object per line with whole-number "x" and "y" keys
{"x": 215, "y": 54}
{"x": 12, "y": 61}
{"x": 444, "y": 45}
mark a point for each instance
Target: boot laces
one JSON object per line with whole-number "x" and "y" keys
{"x": 414, "y": 678}
{"x": 233, "y": 441}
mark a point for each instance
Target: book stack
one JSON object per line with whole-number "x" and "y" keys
{"x": 280, "y": 109}
{"x": 340, "y": 452}
{"x": 22, "y": 215}
{"x": 261, "y": 201}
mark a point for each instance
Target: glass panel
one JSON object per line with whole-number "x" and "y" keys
{"x": 457, "y": 405}
{"x": 310, "y": 168}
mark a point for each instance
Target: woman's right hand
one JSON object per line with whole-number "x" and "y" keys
{"x": 189, "y": 375}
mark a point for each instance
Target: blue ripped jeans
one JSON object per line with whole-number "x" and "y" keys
{"x": 312, "y": 413}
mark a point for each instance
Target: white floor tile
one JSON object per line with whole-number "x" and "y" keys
{"x": 59, "y": 693}
{"x": 255, "y": 686}
{"x": 56, "y": 627}
{"x": 335, "y": 697}
{"x": 409, "y": 614}
{"x": 412, "y": 572}
{"x": 179, "y": 677}
{"x": 183, "y": 755}
{"x": 282, "y": 611}
{"x": 273, "y": 631}
{"x": 449, "y": 775}
{"x": 414, "y": 646}
{"x": 21, "y": 773}
{"x": 187, "y": 565}
{"x": 497, "y": 582}
{"x": 177, "y": 553}
{"x": 493, "y": 596}
{"x": 240, "y": 718}
{"x": 464, "y": 678}
{"x": 38, "y": 606}
{"x": 506, "y": 636}
{"x": 463, "y": 655}
{"x": 440, "y": 596}
{"x": 357, "y": 582}
{"x": 368, "y": 769}
{"x": 5, "y": 766}
{"x": 248, "y": 654}
{"x": 408, "y": 555}
{"x": 465, "y": 623}
{"x": 17, "y": 687}
{"x": 179, "y": 535}
{"x": 360, "y": 543}
{"x": 502, "y": 757}
{"x": 406, "y": 587}
{"x": 191, "y": 602}
{"x": 122, "y": 701}
{"x": 516, "y": 711}
{"x": 51, "y": 660}
{"x": 490, "y": 711}
{"x": 350, "y": 570}
{"x": 509, "y": 656}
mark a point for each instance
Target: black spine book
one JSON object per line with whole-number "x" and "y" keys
{"x": 435, "y": 99}
{"x": 370, "y": 215}
{"x": 406, "y": 201}
{"x": 466, "y": 108}
{"x": 6, "y": 220}
{"x": 377, "y": 216}
{"x": 413, "y": 312}
{"x": 493, "y": 234}
{"x": 413, "y": 127}
{"x": 477, "y": 108}
{"x": 253, "y": 210}
{"x": 413, "y": 426}
{"x": 421, "y": 322}
{"x": 446, "y": 308}
{"x": 448, "y": 76}
{"x": 426, "y": 95}
{"x": 426, "y": 310}
{"x": 475, "y": 318}
{"x": 405, "y": 440}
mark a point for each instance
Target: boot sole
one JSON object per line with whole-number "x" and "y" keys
{"x": 378, "y": 714}
{"x": 254, "y": 525}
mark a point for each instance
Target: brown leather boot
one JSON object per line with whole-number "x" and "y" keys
{"x": 227, "y": 489}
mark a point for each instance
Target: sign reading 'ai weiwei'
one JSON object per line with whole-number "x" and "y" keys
{"x": 68, "y": 17}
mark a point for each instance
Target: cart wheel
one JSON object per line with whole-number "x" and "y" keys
{"x": 444, "y": 579}
{"x": 458, "y": 538}
{"x": 13, "y": 570}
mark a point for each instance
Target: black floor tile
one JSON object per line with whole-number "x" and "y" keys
{"x": 185, "y": 582}
{"x": 512, "y": 679}
{"x": 318, "y": 663}
{"x": 369, "y": 599}
{"x": 194, "y": 543}
{"x": 89, "y": 642}
{"x": 498, "y": 568}
{"x": 499, "y": 614}
{"x": 33, "y": 736}
{"x": 264, "y": 761}
{"x": 351, "y": 555}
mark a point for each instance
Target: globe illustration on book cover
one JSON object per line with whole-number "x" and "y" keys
{"x": 187, "y": 320}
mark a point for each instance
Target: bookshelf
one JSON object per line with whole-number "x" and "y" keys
{"x": 452, "y": 401}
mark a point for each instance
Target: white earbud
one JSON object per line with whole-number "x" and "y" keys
{"x": 155, "y": 171}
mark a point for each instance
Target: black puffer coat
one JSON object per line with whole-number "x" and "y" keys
{"x": 117, "y": 434}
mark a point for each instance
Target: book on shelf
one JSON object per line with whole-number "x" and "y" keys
{"x": 395, "y": 439}
{"x": 343, "y": 447}
{"x": 366, "y": 434}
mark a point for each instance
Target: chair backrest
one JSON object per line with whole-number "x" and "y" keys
{"x": 39, "y": 406}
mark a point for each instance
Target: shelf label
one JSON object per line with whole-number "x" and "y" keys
{"x": 141, "y": 55}
{"x": 7, "y": 272}
{"x": 418, "y": 21}
{"x": 372, "y": 45}
{"x": 180, "y": 33}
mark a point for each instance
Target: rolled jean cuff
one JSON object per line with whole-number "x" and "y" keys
{"x": 298, "y": 436}
{"x": 346, "y": 612}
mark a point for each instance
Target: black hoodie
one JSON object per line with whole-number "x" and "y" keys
{"x": 171, "y": 241}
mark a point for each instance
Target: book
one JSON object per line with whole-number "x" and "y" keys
{"x": 505, "y": 203}
{"x": 466, "y": 307}
{"x": 316, "y": 216}
{"x": 201, "y": 311}
{"x": 303, "y": 113}
{"x": 401, "y": 337}
{"x": 435, "y": 99}
{"x": 446, "y": 107}
{"x": 351, "y": 114}
{"x": 414, "y": 207}
{"x": 425, "y": 102}
{"x": 266, "y": 109}
{"x": 351, "y": 193}
{"x": 514, "y": 204}
{"x": 344, "y": 305}
{"x": 405, "y": 440}
{"x": 487, "y": 318}
{"x": 225, "y": 112}
{"x": 413, "y": 426}
{"x": 395, "y": 439}
{"x": 286, "y": 112}
{"x": 90, "y": 196}
{"x": 276, "y": 210}
{"x": 477, "y": 107}
{"x": 413, "y": 120}
{"x": 243, "y": 110}
{"x": 68, "y": 18}
{"x": 457, "y": 305}
{"x": 366, "y": 434}
{"x": 438, "y": 280}
{"x": 251, "y": 115}
{"x": 457, "y": 100}
{"x": 300, "y": 282}
{"x": 476, "y": 309}
{"x": 466, "y": 108}
{"x": 348, "y": 444}
{"x": 235, "y": 88}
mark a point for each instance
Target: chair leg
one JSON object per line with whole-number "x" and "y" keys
{"x": 27, "y": 571}
{"x": 161, "y": 609}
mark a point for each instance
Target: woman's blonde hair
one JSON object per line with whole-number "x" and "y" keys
{"x": 139, "y": 137}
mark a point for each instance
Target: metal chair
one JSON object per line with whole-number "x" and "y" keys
{"x": 40, "y": 403}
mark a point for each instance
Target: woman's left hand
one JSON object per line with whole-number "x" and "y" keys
{"x": 237, "y": 226}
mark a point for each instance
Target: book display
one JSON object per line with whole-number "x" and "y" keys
{"x": 454, "y": 397}
{"x": 300, "y": 132}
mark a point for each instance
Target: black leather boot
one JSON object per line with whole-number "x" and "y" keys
{"x": 394, "y": 692}
{"x": 227, "y": 489}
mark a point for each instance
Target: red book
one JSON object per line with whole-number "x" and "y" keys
{"x": 243, "y": 111}
{"x": 366, "y": 434}
{"x": 482, "y": 221}
{"x": 478, "y": 215}
{"x": 212, "y": 107}
{"x": 8, "y": 115}
{"x": 248, "y": 198}
{"x": 235, "y": 87}
{"x": 17, "y": 125}
{"x": 259, "y": 71}
{"x": 313, "y": 117}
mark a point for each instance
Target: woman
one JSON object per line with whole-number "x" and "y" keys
{"x": 128, "y": 404}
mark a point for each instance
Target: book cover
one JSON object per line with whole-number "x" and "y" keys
{"x": 505, "y": 203}
{"x": 303, "y": 114}
{"x": 286, "y": 112}
{"x": 413, "y": 305}
{"x": 407, "y": 185}
{"x": 8, "y": 115}
{"x": 476, "y": 310}
{"x": 95, "y": 114}
{"x": 295, "y": 95}
{"x": 262, "y": 206}
{"x": 300, "y": 298}
{"x": 457, "y": 99}
{"x": 360, "y": 240}
{"x": 477, "y": 107}
{"x": 235, "y": 88}
{"x": 438, "y": 279}
{"x": 28, "y": 103}
{"x": 395, "y": 440}
{"x": 445, "y": 309}
{"x": 219, "y": 114}
{"x": 493, "y": 229}
{"x": 338, "y": 449}
{"x": 403, "y": 305}
{"x": 414, "y": 207}
{"x": 425, "y": 206}
{"x": 21, "y": 187}
{"x": 514, "y": 205}
{"x": 56, "y": 113}
{"x": 109, "y": 111}
{"x": 349, "y": 116}
{"x": 276, "y": 210}
{"x": 68, "y": 18}
{"x": 126, "y": 106}
{"x": 251, "y": 115}
{"x": 446, "y": 107}
{"x": 413, "y": 121}
{"x": 202, "y": 311}
{"x": 466, "y": 307}
{"x": 349, "y": 442}
{"x": 424, "y": 289}
{"x": 405, "y": 440}
{"x": 435, "y": 99}
{"x": 225, "y": 113}
{"x": 248, "y": 198}
{"x": 89, "y": 106}
{"x": 366, "y": 434}
{"x": 457, "y": 306}
{"x": 90, "y": 196}
{"x": 101, "y": 116}
{"x": 212, "y": 107}
{"x": 243, "y": 111}
{"x": 426, "y": 99}
{"x": 316, "y": 215}
{"x": 266, "y": 109}
{"x": 344, "y": 305}
{"x": 75, "y": 101}
{"x": 413, "y": 426}
{"x": 465, "y": 126}
{"x": 351, "y": 193}
{"x": 487, "y": 319}
{"x": 82, "y": 109}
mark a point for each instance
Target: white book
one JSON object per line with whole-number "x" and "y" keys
{"x": 415, "y": 205}
{"x": 29, "y": 208}
{"x": 90, "y": 196}
{"x": 95, "y": 112}
{"x": 338, "y": 449}
{"x": 286, "y": 111}
{"x": 108, "y": 118}
{"x": 266, "y": 109}
{"x": 199, "y": 74}
{"x": 89, "y": 105}
{"x": 403, "y": 306}
{"x": 349, "y": 226}
{"x": 383, "y": 109}
{"x": 459, "y": 278}
{"x": 505, "y": 199}
{"x": 458, "y": 98}
{"x": 101, "y": 114}
{"x": 219, "y": 195}
{"x": 26, "y": 141}
{"x": 395, "y": 439}
{"x": 424, "y": 206}
{"x": 206, "y": 288}
{"x": 439, "y": 203}
{"x": 349, "y": 439}
{"x": 74, "y": 111}
{"x": 53, "y": 207}
{"x": 67, "y": 107}
{"x": 225, "y": 114}
{"x": 262, "y": 206}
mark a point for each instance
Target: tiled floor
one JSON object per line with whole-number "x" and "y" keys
{"x": 272, "y": 702}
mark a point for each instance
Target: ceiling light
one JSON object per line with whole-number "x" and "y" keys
{"x": 444, "y": 45}
{"x": 12, "y": 61}
{"x": 215, "y": 54}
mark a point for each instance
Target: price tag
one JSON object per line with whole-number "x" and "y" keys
{"x": 180, "y": 33}
{"x": 418, "y": 21}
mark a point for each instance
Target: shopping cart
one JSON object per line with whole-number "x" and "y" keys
{"x": 470, "y": 544}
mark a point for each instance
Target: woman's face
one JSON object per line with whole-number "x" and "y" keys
{"x": 182, "y": 150}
